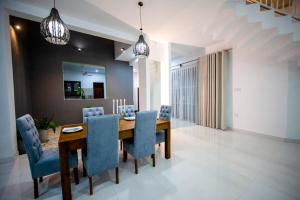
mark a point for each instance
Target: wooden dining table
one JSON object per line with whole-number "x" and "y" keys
{"x": 75, "y": 141}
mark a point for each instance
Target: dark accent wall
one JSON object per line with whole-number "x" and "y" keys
{"x": 20, "y": 62}
{"x": 46, "y": 76}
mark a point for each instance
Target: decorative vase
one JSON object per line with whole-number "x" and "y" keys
{"x": 43, "y": 135}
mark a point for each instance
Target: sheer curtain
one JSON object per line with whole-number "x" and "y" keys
{"x": 184, "y": 83}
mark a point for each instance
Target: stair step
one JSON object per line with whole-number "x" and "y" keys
{"x": 284, "y": 24}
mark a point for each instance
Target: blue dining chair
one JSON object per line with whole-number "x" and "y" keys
{"x": 164, "y": 114}
{"x": 128, "y": 111}
{"x": 143, "y": 142}
{"x": 42, "y": 163}
{"x": 101, "y": 153}
{"x": 91, "y": 112}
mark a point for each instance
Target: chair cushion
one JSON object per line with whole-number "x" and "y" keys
{"x": 101, "y": 153}
{"x": 144, "y": 135}
{"x": 92, "y": 112}
{"x": 165, "y": 113}
{"x": 30, "y": 136}
{"x": 160, "y": 137}
{"x": 129, "y": 110}
{"x": 49, "y": 163}
{"x": 128, "y": 145}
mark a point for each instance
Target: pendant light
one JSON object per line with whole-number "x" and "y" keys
{"x": 53, "y": 29}
{"x": 141, "y": 48}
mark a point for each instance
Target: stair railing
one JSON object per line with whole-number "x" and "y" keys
{"x": 280, "y": 7}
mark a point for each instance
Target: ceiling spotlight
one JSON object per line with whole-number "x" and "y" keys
{"x": 97, "y": 70}
{"x": 79, "y": 49}
{"x": 122, "y": 49}
{"x": 18, "y": 27}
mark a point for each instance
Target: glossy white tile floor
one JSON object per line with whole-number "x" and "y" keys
{"x": 205, "y": 164}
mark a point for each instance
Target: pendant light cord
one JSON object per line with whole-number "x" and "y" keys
{"x": 54, "y": 3}
{"x": 141, "y": 29}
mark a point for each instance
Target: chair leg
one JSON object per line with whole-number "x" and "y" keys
{"x": 76, "y": 177}
{"x": 36, "y": 188}
{"x": 121, "y": 145}
{"x": 84, "y": 171}
{"x": 136, "y": 166}
{"x": 41, "y": 179}
{"x": 153, "y": 159}
{"x": 117, "y": 175}
{"x": 91, "y": 185}
{"x": 124, "y": 155}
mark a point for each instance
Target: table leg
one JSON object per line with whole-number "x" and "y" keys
{"x": 64, "y": 172}
{"x": 168, "y": 142}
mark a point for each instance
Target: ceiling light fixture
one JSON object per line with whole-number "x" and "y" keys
{"x": 122, "y": 49}
{"x": 79, "y": 49}
{"x": 54, "y": 29}
{"x": 18, "y": 27}
{"x": 141, "y": 48}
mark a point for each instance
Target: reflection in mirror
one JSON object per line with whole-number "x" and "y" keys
{"x": 83, "y": 81}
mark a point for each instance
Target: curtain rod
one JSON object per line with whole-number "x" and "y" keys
{"x": 185, "y": 63}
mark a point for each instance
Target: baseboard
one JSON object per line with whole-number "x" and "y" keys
{"x": 266, "y": 136}
{"x": 297, "y": 141}
{"x": 7, "y": 160}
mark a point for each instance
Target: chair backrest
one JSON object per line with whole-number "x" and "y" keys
{"x": 128, "y": 111}
{"x": 165, "y": 113}
{"x": 30, "y": 136}
{"x": 91, "y": 112}
{"x": 102, "y": 143}
{"x": 145, "y": 133}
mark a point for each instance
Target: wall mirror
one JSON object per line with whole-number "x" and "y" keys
{"x": 84, "y": 81}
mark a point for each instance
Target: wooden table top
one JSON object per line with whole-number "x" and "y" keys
{"x": 124, "y": 126}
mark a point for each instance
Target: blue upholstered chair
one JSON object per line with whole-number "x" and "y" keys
{"x": 143, "y": 142}
{"x": 129, "y": 110}
{"x": 91, "y": 112}
{"x": 42, "y": 163}
{"x": 164, "y": 114}
{"x": 101, "y": 153}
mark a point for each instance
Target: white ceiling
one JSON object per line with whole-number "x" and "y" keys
{"x": 176, "y": 21}
{"x": 183, "y": 23}
{"x": 183, "y": 53}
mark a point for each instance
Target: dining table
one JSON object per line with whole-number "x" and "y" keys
{"x": 74, "y": 141}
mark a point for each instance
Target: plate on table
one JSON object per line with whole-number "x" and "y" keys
{"x": 129, "y": 118}
{"x": 72, "y": 129}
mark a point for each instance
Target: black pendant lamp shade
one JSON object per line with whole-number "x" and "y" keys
{"x": 141, "y": 48}
{"x": 54, "y": 30}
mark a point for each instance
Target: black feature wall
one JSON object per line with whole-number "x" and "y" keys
{"x": 44, "y": 77}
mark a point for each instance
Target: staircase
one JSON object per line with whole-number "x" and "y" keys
{"x": 258, "y": 26}
{"x": 285, "y": 23}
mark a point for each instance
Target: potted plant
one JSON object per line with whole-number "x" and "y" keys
{"x": 43, "y": 125}
{"x": 81, "y": 93}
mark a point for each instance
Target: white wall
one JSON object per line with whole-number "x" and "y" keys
{"x": 260, "y": 88}
{"x": 161, "y": 52}
{"x": 155, "y": 85}
{"x": 144, "y": 84}
{"x": 293, "y": 108}
{"x": 266, "y": 93}
{"x": 8, "y": 146}
{"x": 135, "y": 83}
